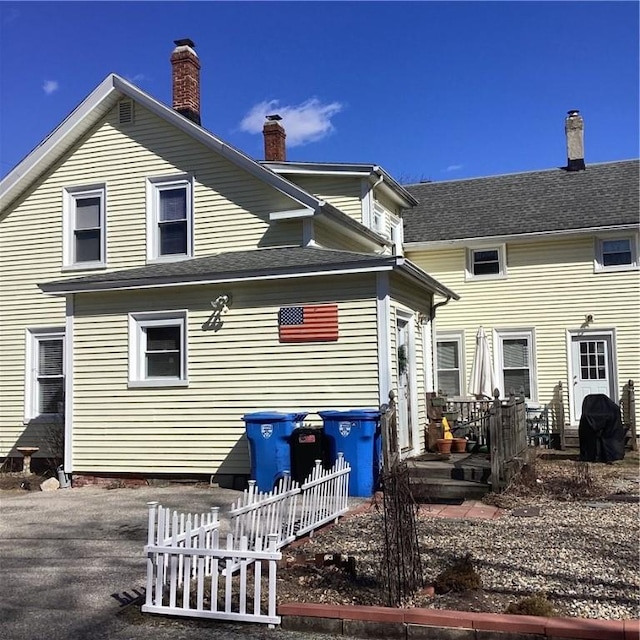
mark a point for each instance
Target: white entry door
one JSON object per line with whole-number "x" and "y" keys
{"x": 405, "y": 360}
{"x": 592, "y": 368}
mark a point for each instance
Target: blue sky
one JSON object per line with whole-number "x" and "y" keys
{"x": 428, "y": 90}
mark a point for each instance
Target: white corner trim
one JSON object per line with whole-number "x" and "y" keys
{"x": 68, "y": 384}
{"x": 383, "y": 316}
{"x": 308, "y": 233}
{"x": 291, "y": 214}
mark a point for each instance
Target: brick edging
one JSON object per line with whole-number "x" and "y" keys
{"x": 414, "y": 623}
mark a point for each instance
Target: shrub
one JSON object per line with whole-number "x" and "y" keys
{"x": 460, "y": 576}
{"x": 537, "y": 605}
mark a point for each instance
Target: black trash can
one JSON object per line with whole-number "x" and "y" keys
{"x": 307, "y": 446}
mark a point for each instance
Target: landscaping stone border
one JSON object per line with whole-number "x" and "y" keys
{"x": 442, "y": 624}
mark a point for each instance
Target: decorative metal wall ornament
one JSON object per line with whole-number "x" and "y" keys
{"x": 220, "y": 307}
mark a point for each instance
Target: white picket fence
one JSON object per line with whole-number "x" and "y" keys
{"x": 189, "y": 571}
{"x": 292, "y": 510}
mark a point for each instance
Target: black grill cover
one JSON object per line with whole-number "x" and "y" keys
{"x": 601, "y": 432}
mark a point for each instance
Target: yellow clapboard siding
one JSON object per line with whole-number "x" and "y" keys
{"x": 341, "y": 192}
{"x": 239, "y": 369}
{"x": 550, "y": 287}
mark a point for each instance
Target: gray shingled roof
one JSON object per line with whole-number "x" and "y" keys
{"x": 258, "y": 263}
{"x": 536, "y": 202}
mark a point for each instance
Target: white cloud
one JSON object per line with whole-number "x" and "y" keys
{"x": 304, "y": 123}
{"x": 454, "y": 167}
{"x": 138, "y": 78}
{"x": 50, "y": 86}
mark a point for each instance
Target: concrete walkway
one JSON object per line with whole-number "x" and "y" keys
{"x": 69, "y": 558}
{"x": 468, "y": 509}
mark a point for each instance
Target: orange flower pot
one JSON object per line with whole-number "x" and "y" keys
{"x": 458, "y": 445}
{"x": 444, "y": 445}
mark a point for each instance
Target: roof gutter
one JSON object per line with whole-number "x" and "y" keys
{"x": 531, "y": 235}
{"x": 435, "y": 306}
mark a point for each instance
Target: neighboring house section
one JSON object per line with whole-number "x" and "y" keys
{"x": 367, "y": 193}
{"x": 547, "y": 263}
{"x": 157, "y": 284}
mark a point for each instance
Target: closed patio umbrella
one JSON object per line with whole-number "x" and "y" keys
{"x": 483, "y": 379}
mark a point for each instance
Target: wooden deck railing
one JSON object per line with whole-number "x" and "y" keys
{"x": 507, "y": 439}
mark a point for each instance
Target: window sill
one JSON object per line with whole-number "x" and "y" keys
{"x": 498, "y": 276}
{"x": 86, "y": 266}
{"x": 44, "y": 418}
{"x": 159, "y": 384}
{"x": 624, "y": 267}
{"x": 172, "y": 258}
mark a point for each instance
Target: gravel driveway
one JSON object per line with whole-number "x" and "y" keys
{"x": 68, "y": 557}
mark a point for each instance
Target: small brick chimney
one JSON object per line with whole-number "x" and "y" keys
{"x": 574, "y": 129}
{"x": 186, "y": 79}
{"x": 274, "y": 139}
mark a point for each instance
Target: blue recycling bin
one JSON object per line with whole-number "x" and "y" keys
{"x": 357, "y": 434}
{"x": 269, "y": 434}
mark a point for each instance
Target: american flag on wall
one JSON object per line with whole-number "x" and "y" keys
{"x": 308, "y": 323}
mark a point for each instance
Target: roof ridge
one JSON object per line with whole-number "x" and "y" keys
{"x": 519, "y": 173}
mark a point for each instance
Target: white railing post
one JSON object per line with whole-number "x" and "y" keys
{"x": 152, "y": 558}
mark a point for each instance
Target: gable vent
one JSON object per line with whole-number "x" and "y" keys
{"x": 125, "y": 112}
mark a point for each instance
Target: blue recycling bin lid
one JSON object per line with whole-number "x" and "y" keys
{"x": 274, "y": 416}
{"x": 350, "y": 414}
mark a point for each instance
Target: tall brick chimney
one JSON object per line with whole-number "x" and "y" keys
{"x": 574, "y": 129}
{"x": 274, "y": 139}
{"x": 186, "y": 79}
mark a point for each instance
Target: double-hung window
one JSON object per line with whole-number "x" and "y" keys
{"x": 169, "y": 218}
{"x": 516, "y": 366}
{"x": 449, "y": 359}
{"x": 85, "y": 227}
{"x": 379, "y": 219}
{"x": 45, "y": 373}
{"x": 486, "y": 263}
{"x": 616, "y": 254}
{"x": 158, "y": 349}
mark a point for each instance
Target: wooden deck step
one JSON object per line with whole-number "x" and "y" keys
{"x": 442, "y": 490}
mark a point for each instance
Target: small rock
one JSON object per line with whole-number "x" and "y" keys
{"x": 50, "y": 485}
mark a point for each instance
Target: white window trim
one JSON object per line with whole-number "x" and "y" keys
{"x": 397, "y": 235}
{"x": 634, "y": 243}
{"x": 70, "y": 194}
{"x": 379, "y": 216}
{"x": 33, "y": 337}
{"x": 154, "y": 185}
{"x": 451, "y": 336}
{"x": 502, "y": 262}
{"x": 530, "y": 334}
{"x": 137, "y": 323}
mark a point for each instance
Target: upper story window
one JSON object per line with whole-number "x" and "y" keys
{"x": 485, "y": 263}
{"x": 44, "y": 388}
{"x": 616, "y": 254}
{"x": 169, "y": 218}
{"x": 84, "y": 227}
{"x": 158, "y": 349}
{"x": 397, "y": 236}
{"x": 379, "y": 219}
